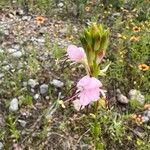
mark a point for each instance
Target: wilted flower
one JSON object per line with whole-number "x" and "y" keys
{"x": 136, "y": 29}
{"x": 40, "y": 20}
{"x": 100, "y": 57}
{"x": 70, "y": 37}
{"x": 87, "y": 8}
{"x": 143, "y": 67}
{"x": 147, "y": 106}
{"x": 75, "y": 53}
{"x": 137, "y": 118}
{"x": 89, "y": 88}
{"x": 135, "y": 38}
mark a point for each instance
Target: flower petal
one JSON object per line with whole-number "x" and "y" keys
{"x": 89, "y": 88}
{"x": 75, "y": 53}
{"x": 93, "y": 94}
{"x": 94, "y": 83}
{"x": 84, "y": 99}
{"x": 84, "y": 81}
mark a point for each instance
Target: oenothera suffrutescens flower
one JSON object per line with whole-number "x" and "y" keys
{"x": 75, "y": 53}
{"x": 89, "y": 90}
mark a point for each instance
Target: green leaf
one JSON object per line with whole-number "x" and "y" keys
{"x": 103, "y": 71}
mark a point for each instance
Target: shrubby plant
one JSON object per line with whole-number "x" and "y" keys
{"x": 130, "y": 59}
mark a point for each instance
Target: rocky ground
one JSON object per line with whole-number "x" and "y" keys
{"x": 30, "y": 74}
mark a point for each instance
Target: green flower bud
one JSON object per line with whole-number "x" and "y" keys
{"x": 94, "y": 40}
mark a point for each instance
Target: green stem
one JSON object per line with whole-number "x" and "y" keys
{"x": 96, "y": 124}
{"x": 96, "y": 127}
{"x": 96, "y": 134}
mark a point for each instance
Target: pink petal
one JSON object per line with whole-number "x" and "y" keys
{"x": 75, "y": 53}
{"x": 95, "y": 83}
{"x": 93, "y": 94}
{"x": 84, "y": 99}
{"x": 84, "y": 82}
{"x": 89, "y": 88}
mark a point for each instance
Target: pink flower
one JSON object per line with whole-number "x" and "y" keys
{"x": 89, "y": 88}
{"x": 75, "y": 53}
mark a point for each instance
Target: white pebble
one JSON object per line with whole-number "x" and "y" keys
{"x": 13, "y": 105}
{"x": 57, "y": 83}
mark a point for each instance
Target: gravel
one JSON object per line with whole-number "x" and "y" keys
{"x": 1, "y": 146}
{"x": 43, "y": 89}
{"x": 22, "y": 122}
{"x": 32, "y": 83}
{"x": 17, "y": 54}
{"x": 13, "y": 105}
{"x": 122, "y": 98}
{"x": 136, "y": 95}
{"x": 57, "y": 83}
{"x": 36, "y": 96}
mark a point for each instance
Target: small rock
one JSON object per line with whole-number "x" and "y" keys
{"x": 42, "y": 30}
{"x": 146, "y": 116}
{"x": 10, "y": 15}
{"x": 1, "y": 51}
{"x": 8, "y": 67}
{"x": 32, "y": 90}
{"x": 36, "y": 96}
{"x": 1, "y": 146}
{"x": 60, "y": 4}
{"x": 116, "y": 15}
{"x": 17, "y": 54}
{"x": 136, "y": 95}
{"x": 11, "y": 50}
{"x": 121, "y": 98}
{"x": 59, "y": 43}
{"x": 41, "y": 40}
{"x": 75, "y": 29}
{"x": 22, "y": 122}
{"x": 145, "y": 119}
{"x": 6, "y": 32}
{"x": 57, "y": 83}
{"x": 20, "y": 12}
{"x": 26, "y": 18}
{"x": 13, "y": 105}
{"x": 1, "y": 75}
{"x": 20, "y": 65}
{"x": 147, "y": 113}
{"x": 16, "y": 46}
{"x": 47, "y": 97}
{"x": 43, "y": 89}
{"x": 32, "y": 83}
{"x": 25, "y": 84}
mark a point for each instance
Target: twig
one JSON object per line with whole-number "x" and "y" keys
{"x": 70, "y": 98}
{"x": 80, "y": 138}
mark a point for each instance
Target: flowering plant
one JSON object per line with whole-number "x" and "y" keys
{"x": 94, "y": 40}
